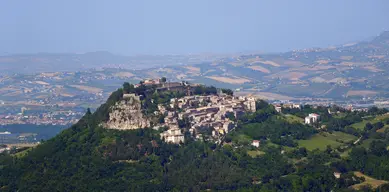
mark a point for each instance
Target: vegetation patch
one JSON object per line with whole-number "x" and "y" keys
{"x": 382, "y": 130}
{"x": 22, "y": 153}
{"x": 322, "y": 140}
{"x": 366, "y": 143}
{"x": 369, "y": 181}
{"x": 293, "y": 119}
{"x": 241, "y": 139}
{"x": 361, "y": 125}
{"x": 255, "y": 153}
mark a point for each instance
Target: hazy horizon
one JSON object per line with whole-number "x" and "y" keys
{"x": 175, "y": 27}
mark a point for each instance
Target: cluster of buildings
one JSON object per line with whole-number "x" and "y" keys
{"x": 8, "y": 137}
{"x": 52, "y": 118}
{"x": 173, "y": 135}
{"x": 278, "y": 107}
{"x": 310, "y": 119}
{"x": 205, "y": 114}
{"x": 162, "y": 86}
{"x": 150, "y": 82}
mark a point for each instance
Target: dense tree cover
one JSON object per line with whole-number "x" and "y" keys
{"x": 265, "y": 124}
{"x": 87, "y": 157}
{"x": 228, "y": 92}
{"x": 373, "y": 162}
{"x": 278, "y": 131}
{"x": 343, "y": 123}
{"x": 376, "y": 111}
{"x": 306, "y": 110}
{"x": 205, "y": 90}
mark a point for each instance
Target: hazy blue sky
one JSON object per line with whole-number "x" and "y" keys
{"x": 183, "y": 26}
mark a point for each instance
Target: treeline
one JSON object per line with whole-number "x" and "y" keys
{"x": 265, "y": 124}
{"x": 340, "y": 123}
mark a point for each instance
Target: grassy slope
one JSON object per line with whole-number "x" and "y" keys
{"x": 22, "y": 153}
{"x": 321, "y": 141}
{"x": 292, "y": 118}
{"x": 255, "y": 153}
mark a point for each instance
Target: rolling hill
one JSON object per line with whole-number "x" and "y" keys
{"x": 351, "y": 70}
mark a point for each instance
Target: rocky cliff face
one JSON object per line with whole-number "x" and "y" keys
{"x": 127, "y": 114}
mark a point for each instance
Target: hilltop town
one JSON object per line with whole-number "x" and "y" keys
{"x": 205, "y": 115}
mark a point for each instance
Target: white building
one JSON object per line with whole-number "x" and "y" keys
{"x": 312, "y": 118}
{"x": 278, "y": 108}
{"x": 296, "y": 106}
{"x": 255, "y": 143}
{"x": 173, "y": 136}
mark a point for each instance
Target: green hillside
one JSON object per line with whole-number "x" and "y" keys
{"x": 88, "y": 157}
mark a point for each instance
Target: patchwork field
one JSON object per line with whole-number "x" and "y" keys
{"x": 272, "y": 63}
{"x": 268, "y": 95}
{"x": 374, "y": 183}
{"x": 346, "y": 57}
{"x": 193, "y": 69}
{"x": 321, "y": 140}
{"x": 87, "y": 88}
{"x": 124, "y": 74}
{"x": 259, "y": 68}
{"x": 289, "y": 75}
{"x": 373, "y": 69}
{"x": 360, "y": 93}
{"x": 41, "y": 83}
{"x": 229, "y": 80}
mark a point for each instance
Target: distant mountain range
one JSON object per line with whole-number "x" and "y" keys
{"x": 347, "y": 71}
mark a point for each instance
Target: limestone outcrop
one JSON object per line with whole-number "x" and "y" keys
{"x": 127, "y": 114}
